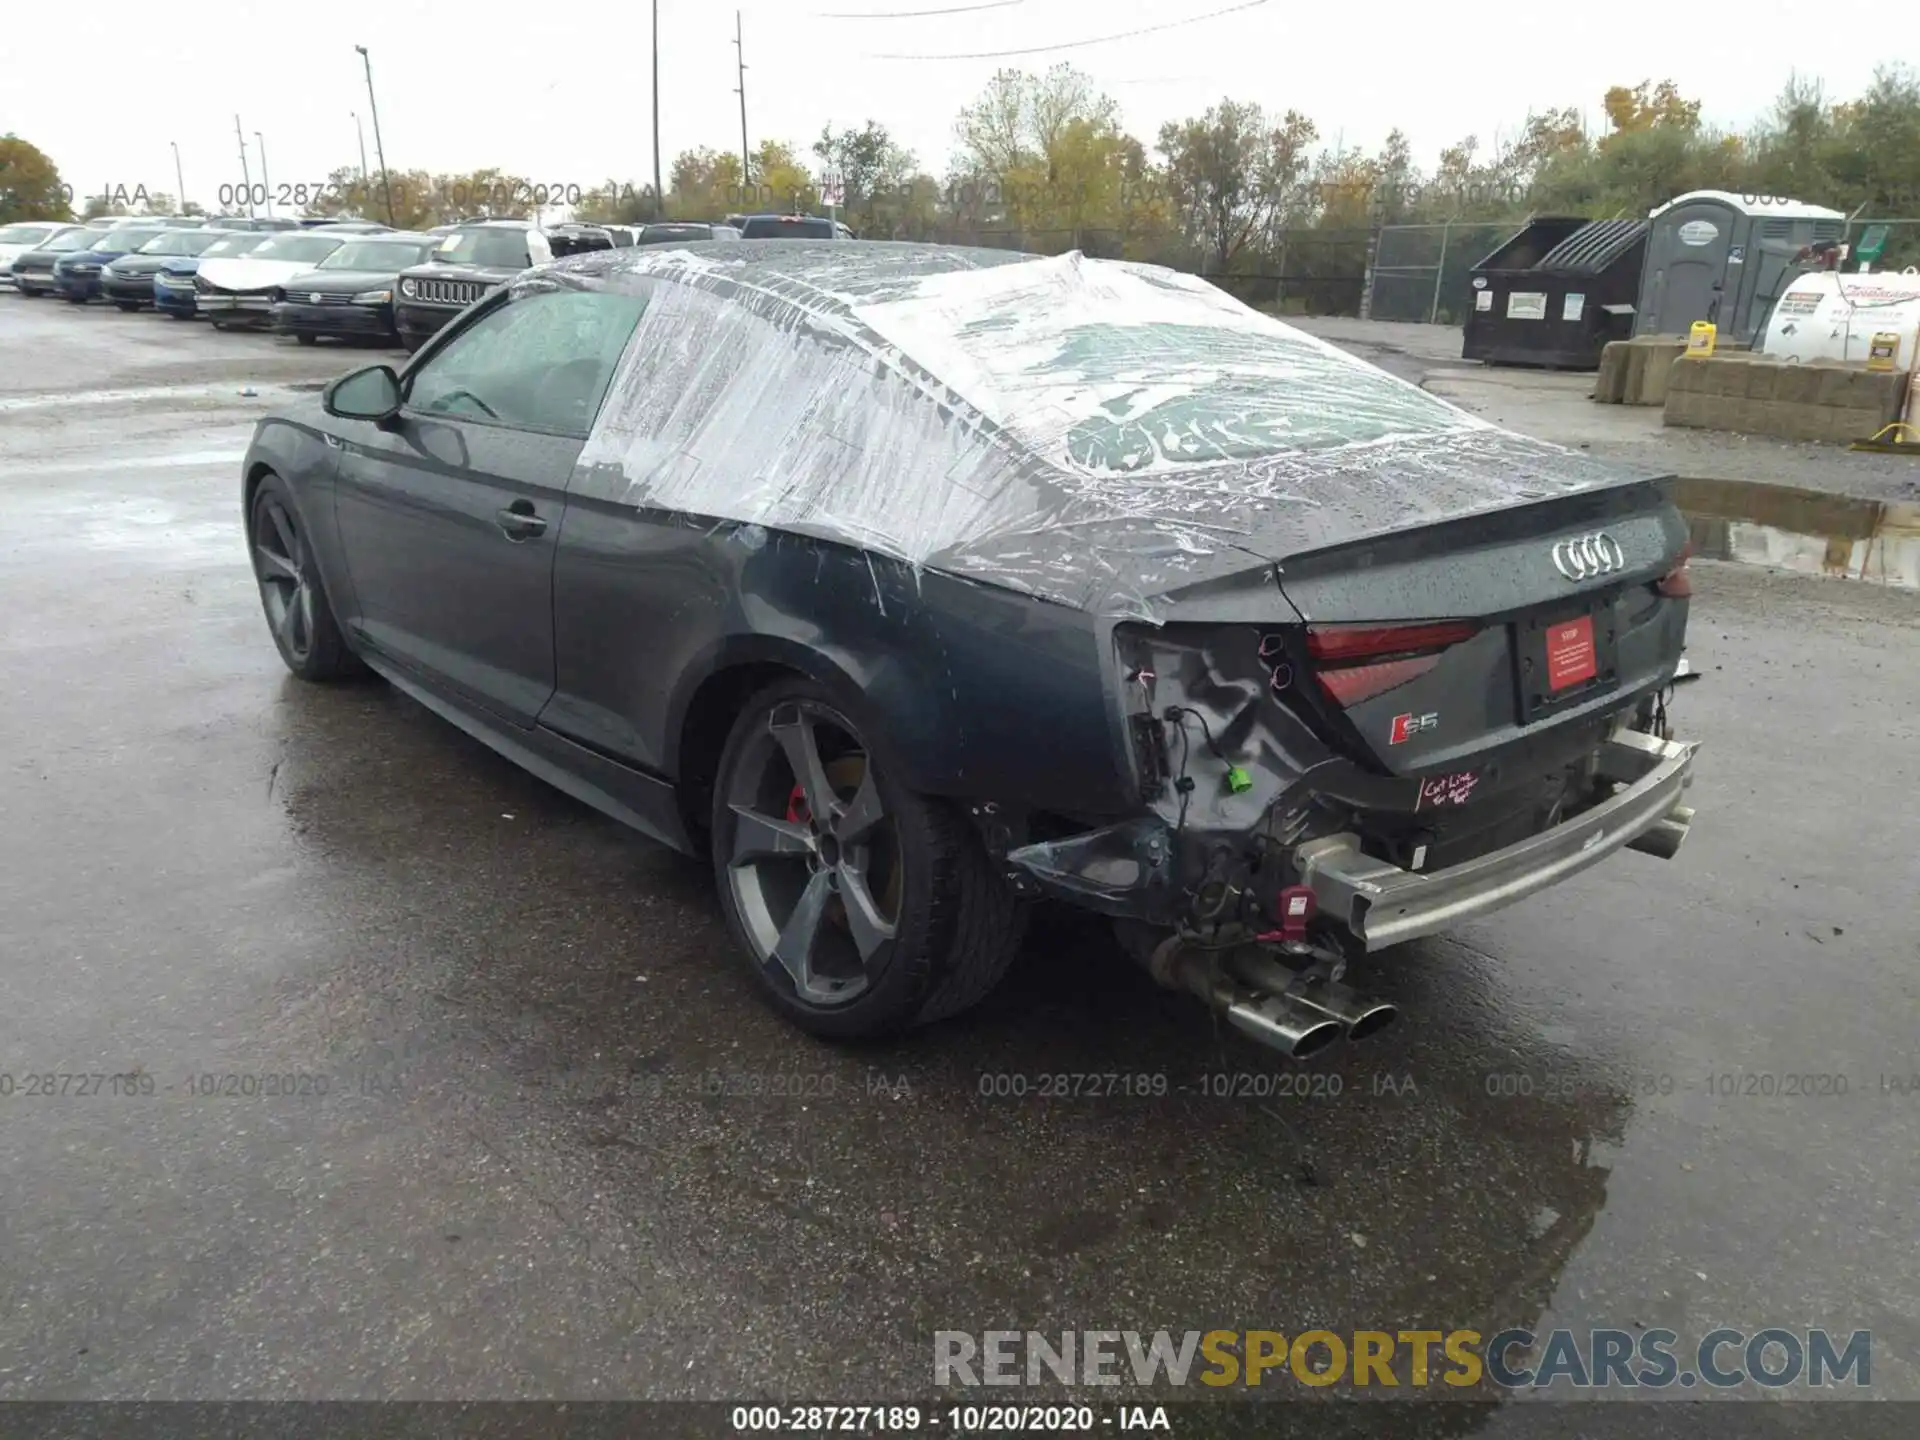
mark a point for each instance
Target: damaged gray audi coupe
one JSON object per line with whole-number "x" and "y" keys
{"x": 913, "y": 584}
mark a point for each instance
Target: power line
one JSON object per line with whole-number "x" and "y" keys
{"x": 916, "y": 14}
{"x": 1080, "y": 44}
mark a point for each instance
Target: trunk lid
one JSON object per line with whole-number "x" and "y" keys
{"x": 1472, "y": 647}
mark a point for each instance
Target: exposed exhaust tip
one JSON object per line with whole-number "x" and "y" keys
{"x": 1373, "y": 1021}
{"x": 1279, "y": 1026}
{"x": 1318, "y": 1039}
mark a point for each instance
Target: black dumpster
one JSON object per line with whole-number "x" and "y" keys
{"x": 1556, "y": 293}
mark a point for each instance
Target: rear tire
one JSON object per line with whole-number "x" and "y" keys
{"x": 301, "y": 338}
{"x": 292, "y": 592}
{"x": 76, "y": 299}
{"x": 128, "y": 305}
{"x": 884, "y": 915}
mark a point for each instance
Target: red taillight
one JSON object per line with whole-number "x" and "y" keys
{"x": 1677, "y": 583}
{"x": 1358, "y": 662}
{"x": 1338, "y": 643}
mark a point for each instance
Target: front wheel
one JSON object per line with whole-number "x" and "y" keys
{"x": 292, "y": 592}
{"x": 861, "y": 906}
{"x": 128, "y": 305}
{"x": 76, "y": 299}
{"x": 302, "y": 338}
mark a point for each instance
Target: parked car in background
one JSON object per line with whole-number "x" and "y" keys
{"x": 173, "y": 281}
{"x": 78, "y": 274}
{"x": 792, "y": 227}
{"x": 241, "y": 290}
{"x": 128, "y": 281}
{"x": 901, "y": 598}
{"x": 32, "y": 270}
{"x": 349, "y": 295}
{"x": 252, "y": 222}
{"x": 345, "y": 227}
{"x": 16, "y": 240}
{"x": 580, "y": 239}
{"x": 683, "y": 232}
{"x": 469, "y": 261}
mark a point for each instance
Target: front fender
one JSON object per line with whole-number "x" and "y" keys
{"x": 296, "y": 452}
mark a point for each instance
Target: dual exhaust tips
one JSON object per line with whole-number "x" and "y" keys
{"x": 1294, "y": 1013}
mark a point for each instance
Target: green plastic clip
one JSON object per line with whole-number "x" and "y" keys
{"x": 1238, "y": 780}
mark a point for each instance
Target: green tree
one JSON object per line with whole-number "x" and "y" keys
{"x": 30, "y": 184}
{"x": 1231, "y": 175}
{"x": 876, "y": 174}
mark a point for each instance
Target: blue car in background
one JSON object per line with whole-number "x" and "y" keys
{"x": 77, "y": 275}
{"x": 128, "y": 281}
{"x": 173, "y": 281}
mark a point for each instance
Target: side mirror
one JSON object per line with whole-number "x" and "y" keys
{"x": 369, "y": 394}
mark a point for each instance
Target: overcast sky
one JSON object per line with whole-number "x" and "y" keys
{"x": 560, "y": 93}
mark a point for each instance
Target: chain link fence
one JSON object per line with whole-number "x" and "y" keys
{"x": 1415, "y": 273}
{"x": 1423, "y": 273}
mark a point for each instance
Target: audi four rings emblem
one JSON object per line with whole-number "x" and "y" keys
{"x": 1589, "y": 556}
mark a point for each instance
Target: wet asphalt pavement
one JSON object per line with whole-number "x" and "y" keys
{"x": 519, "y": 1184}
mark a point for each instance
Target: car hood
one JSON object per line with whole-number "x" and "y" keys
{"x": 93, "y": 257}
{"x": 1098, "y": 433}
{"x": 138, "y": 264}
{"x": 243, "y": 272}
{"x": 340, "y": 282}
{"x": 492, "y": 274}
{"x": 180, "y": 265}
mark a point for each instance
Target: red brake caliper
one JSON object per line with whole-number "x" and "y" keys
{"x": 797, "y": 806}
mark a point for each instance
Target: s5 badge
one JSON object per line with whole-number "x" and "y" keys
{"x": 1405, "y": 727}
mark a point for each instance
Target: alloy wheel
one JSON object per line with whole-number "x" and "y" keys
{"x": 814, "y": 867}
{"x": 280, "y": 563}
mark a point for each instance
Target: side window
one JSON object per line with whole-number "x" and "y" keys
{"x": 538, "y": 362}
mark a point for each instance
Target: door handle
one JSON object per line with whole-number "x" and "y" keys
{"x": 518, "y": 522}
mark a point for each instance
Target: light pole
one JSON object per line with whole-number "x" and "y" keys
{"x": 178, "y": 179}
{"x": 246, "y": 180}
{"x": 373, "y": 105}
{"x": 659, "y": 199}
{"x": 264, "y": 181}
{"x": 362, "y": 134}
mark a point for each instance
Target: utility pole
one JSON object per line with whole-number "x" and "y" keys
{"x": 362, "y": 134}
{"x": 386, "y": 187}
{"x": 178, "y": 179}
{"x": 659, "y": 196}
{"x": 246, "y": 180}
{"x": 265, "y": 183}
{"x": 746, "y": 163}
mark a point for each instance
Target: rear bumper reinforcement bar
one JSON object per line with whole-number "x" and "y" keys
{"x": 1384, "y": 905}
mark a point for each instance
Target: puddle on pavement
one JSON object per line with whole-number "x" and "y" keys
{"x": 1807, "y": 531}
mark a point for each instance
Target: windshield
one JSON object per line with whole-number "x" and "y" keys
{"x": 125, "y": 240}
{"x": 501, "y": 249}
{"x": 1119, "y": 371}
{"x": 179, "y": 242}
{"x": 25, "y": 234}
{"x": 305, "y": 249}
{"x": 72, "y": 240}
{"x": 382, "y": 255}
{"x": 244, "y": 244}
{"x": 668, "y": 234}
{"x": 783, "y": 227}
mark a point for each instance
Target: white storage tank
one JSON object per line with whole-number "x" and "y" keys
{"x": 1827, "y": 315}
